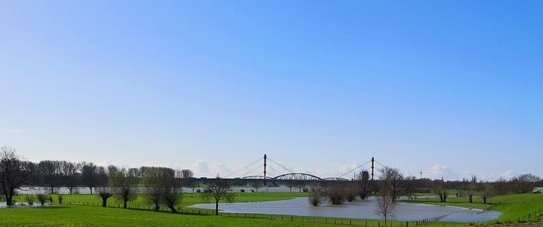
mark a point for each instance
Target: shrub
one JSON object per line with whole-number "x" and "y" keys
{"x": 315, "y": 197}
{"x": 29, "y": 198}
{"x": 336, "y": 194}
{"x": 42, "y": 198}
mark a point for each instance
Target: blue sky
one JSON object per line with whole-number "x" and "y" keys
{"x": 450, "y": 88}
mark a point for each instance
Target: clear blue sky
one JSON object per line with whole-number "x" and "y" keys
{"x": 452, "y": 88}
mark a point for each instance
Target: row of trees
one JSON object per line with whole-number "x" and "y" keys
{"x": 161, "y": 186}
{"x": 56, "y": 174}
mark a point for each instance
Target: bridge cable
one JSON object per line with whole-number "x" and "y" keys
{"x": 243, "y": 168}
{"x": 250, "y": 171}
{"x": 352, "y": 170}
{"x": 281, "y": 165}
{"x": 275, "y": 171}
{"x": 380, "y": 164}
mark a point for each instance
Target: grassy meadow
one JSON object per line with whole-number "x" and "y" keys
{"x": 518, "y": 208}
{"x": 85, "y": 210}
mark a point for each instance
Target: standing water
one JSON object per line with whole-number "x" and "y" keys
{"x": 362, "y": 210}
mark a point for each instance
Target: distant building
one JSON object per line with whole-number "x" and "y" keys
{"x": 538, "y": 190}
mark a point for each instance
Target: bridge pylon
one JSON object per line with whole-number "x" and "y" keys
{"x": 265, "y": 159}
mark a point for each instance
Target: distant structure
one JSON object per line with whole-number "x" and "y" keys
{"x": 265, "y": 158}
{"x": 372, "y": 166}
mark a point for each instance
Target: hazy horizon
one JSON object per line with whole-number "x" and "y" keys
{"x": 449, "y": 88}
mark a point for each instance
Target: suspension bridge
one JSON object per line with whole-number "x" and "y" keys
{"x": 266, "y": 170}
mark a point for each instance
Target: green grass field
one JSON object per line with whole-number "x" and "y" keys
{"x": 518, "y": 208}
{"x": 187, "y": 199}
{"x": 84, "y": 210}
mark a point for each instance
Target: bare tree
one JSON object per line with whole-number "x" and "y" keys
{"x": 502, "y": 186}
{"x": 351, "y": 191}
{"x": 385, "y": 206}
{"x": 171, "y": 192}
{"x": 440, "y": 190}
{"x": 123, "y": 183}
{"x": 13, "y": 173}
{"x": 103, "y": 188}
{"x": 151, "y": 183}
{"x": 470, "y": 188}
{"x": 50, "y": 172}
{"x": 363, "y": 181}
{"x": 391, "y": 179}
{"x": 71, "y": 175}
{"x": 89, "y": 175}
{"x": 525, "y": 183}
{"x": 488, "y": 191}
{"x": 388, "y": 192}
{"x": 105, "y": 193}
{"x": 218, "y": 190}
{"x": 409, "y": 184}
{"x": 161, "y": 186}
{"x": 316, "y": 194}
{"x": 336, "y": 193}
{"x": 186, "y": 173}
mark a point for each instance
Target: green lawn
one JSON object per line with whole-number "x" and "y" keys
{"x": 97, "y": 216}
{"x": 519, "y": 208}
{"x": 187, "y": 200}
{"x": 84, "y": 210}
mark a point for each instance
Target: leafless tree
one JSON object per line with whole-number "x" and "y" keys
{"x": 71, "y": 173}
{"x": 487, "y": 192}
{"x": 123, "y": 183}
{"x": 218, "y": 190}
{"x": 161, "y": 186}
{"x": 440, "y": 190}
{"x": 525, "y": 183}
{"x": 50, "y": 172}
{"x": 316, "y": 194}
{"x": 186, "y": 173}
{"x": 152, "y": 187}
{"x": 363, "y": 181}
{"x": 105, "y": 193}
{"x": 385, "y": 204}
{"x": 171, "y": 190}
{"x": 502, "y": 186}
{"x": 337, "y": 193}
{"x": 13, "y": 173}
{"x": 391, "y": 179}
{"x": 89, "y": 175}
{"x": 388, "y": 191}
{"x": 351, "y": 191}
{"x": 470, "y": 188}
